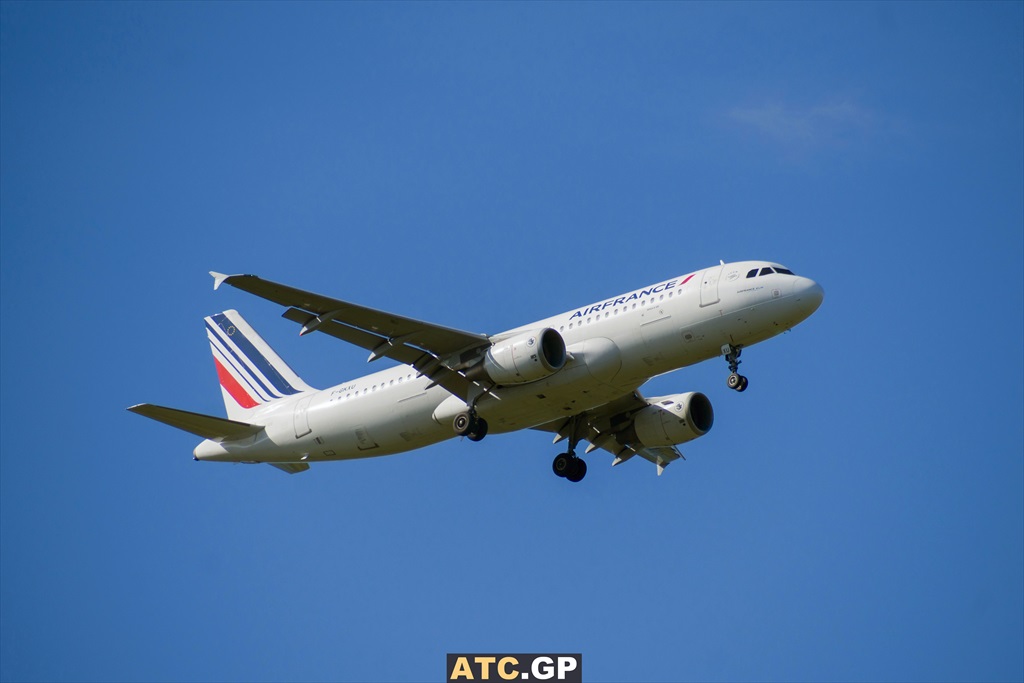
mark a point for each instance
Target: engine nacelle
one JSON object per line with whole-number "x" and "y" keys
{"x": 672, "y": 420}
{"x": 526, "y": 357}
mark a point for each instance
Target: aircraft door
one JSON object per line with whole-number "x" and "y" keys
{"x": 301, "y": 417}
{"x": 709, "y": 285}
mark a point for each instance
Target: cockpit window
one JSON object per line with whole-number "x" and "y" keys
{"x": 768, "y": 270}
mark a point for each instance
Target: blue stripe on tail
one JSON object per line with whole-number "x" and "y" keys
{"x": 229, "y": 359}
{"x": 239, "y": 365}
{"x": 283, "y": 387}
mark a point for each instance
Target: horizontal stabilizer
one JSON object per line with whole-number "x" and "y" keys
{"x": 206, "y": 426}
{"x": 290, "y": 467}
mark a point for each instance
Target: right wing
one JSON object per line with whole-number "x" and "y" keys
{"x": 440, "y": 353}
{"x": 605, "y": 427}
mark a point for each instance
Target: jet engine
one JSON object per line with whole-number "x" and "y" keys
{"x": 526, "y": 357}
{"x": 672, "y": 420}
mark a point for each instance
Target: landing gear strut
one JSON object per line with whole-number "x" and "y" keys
{"x": 567, "y": 464}
{"x": 735, "y": 380}
{"x": 470, "y": 425}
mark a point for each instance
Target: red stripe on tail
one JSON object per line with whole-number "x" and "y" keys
{"x": 232, "y": 386}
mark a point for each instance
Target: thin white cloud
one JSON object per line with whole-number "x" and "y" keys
{"x": 830, "y": 123}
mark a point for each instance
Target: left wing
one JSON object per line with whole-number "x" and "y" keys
{"x": 440, "y": 353}
{"x": 604, "y": 427}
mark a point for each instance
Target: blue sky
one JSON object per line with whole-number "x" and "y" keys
{"x": 857, "y": 514}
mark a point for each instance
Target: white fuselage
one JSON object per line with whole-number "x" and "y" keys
{"x": 615, "y": 345}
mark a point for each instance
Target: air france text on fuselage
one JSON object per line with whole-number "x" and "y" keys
{"x": 663, "y": 287}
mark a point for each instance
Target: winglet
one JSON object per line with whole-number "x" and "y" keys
{"x": 218, "y": 278}
{"x": 661, "y": 467}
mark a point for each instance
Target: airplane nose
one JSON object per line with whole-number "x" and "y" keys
{"x": 809, "y": 294}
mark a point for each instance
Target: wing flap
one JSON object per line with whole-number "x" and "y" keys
{"x": 206, "y": 426}
{"x": 661, "y": 456}
{"x": 425, "y": 362}
{"x": 290, "y": 467}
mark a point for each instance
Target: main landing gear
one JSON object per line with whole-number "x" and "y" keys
{"x": 470, "y": 425}
{"x": 735, "y": 380}
{"x": 567, "y": 464}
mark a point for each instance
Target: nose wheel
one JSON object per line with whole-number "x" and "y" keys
{"x": 735, "y": 380}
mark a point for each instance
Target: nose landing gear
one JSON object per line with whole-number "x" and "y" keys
{"x": 735, "y": 380}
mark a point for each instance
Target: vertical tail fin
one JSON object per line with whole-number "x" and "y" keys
{"x": 250, "y": 372}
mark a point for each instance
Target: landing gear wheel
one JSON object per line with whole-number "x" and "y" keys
{"x": 469, "y": 425}
{"x": 462, "y": 423}
{"x": 562, "y": 464}
{"x": 579, "y": 470}
{"x": 478, "y": 429}
{"x": 732, "y": 356}
{"x": 567, "y": 464}
{"x": 737, "y": 382}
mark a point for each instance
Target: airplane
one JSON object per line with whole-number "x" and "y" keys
{"x": 576, "y": 375}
